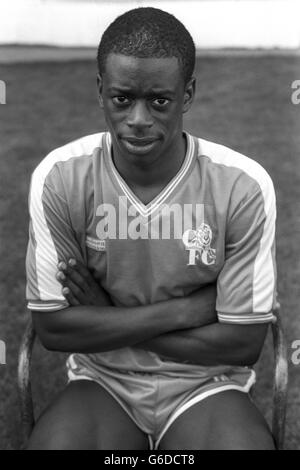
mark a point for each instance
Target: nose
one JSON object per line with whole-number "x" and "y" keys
{"x": 139, "y": 117}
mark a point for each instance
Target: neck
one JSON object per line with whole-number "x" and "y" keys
{"x": 158, "y": 171}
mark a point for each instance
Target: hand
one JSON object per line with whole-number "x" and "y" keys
{"x": 79, "y": 286}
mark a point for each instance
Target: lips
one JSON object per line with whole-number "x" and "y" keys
{"x": 139, "y": 141}
{"x": 139, "y": 146}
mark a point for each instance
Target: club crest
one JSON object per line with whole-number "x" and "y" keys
{"x": 198, "y": 242}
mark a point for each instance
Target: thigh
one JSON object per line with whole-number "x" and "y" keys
{"x": 226, "y": 421}
{"x": 86, "y": 416}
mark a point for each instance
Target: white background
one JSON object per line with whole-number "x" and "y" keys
{"x": 212, "y": 23}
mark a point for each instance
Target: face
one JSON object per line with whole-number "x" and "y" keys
{"x": 143, "y": 102}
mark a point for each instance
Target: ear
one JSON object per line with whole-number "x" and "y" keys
{"x": 100, "y": 87}
{"x": 189, "y": 93}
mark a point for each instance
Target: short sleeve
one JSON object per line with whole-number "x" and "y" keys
{"x": 51, "y": 239}
{"x": 246, "y": 286}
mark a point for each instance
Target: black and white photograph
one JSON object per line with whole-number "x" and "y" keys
{"x": 150, "y": 227}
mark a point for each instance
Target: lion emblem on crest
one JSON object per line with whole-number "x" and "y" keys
{"x": 199, "y": 240}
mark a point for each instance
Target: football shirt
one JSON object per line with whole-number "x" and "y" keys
{"x": 213, "y": 222}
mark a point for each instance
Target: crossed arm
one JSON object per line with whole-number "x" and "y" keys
{"x": 185, "y": 329}
{"x": 212, "y": 345}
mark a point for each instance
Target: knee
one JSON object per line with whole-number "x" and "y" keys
{"x": 52, "y": 438}
{"x": 251, "y": 438}
{"x": 49, "y": 442}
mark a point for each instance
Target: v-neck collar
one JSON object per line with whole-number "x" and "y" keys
{"x": 148, "y": 209}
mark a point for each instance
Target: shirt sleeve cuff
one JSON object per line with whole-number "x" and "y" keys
{"x": 41, "y": 306}
{"x": 246, "y": 318}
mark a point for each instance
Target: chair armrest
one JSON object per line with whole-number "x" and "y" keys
{"x": 280, "y": 380}
{"x": 24, "y": 384}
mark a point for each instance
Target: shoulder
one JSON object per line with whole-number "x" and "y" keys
{"x": 69, "y": 153}
{"x": 236, "y": 172}
{"x": 64, "y": 169}
{"x": 231, "y": 161}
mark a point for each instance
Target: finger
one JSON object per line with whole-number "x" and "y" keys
{"x": 70, "y": 297}
{"x": 78, "y": 279}
{"x": 75, "y": 288}
{"x": 67, "y": 272}
{"x": 62, "y": 266}
{"x": 60, "y": 276}
{"x": 83, "y": 297}
{"x": 95, "y": 288}
{"x": 82, "y": 270}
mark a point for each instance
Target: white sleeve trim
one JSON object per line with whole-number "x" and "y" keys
{"x": 46, "y": 307}
{"x": 246, "y": 319}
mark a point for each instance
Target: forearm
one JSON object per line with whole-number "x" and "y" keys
{"x": 104, "y": 327}
{"x": 91, "y": 329}
{"x": 210, "y": 345}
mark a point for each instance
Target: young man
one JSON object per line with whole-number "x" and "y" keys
{"x": 151, "y": 260}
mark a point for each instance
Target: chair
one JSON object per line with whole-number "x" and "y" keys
{"x": 280, "y": 381}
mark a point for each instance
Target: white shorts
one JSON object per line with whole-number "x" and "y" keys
{"x": 154, "y": 401}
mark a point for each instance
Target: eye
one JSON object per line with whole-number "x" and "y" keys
{"x": 121, "y": 100}
{"x": 160, "y": 102}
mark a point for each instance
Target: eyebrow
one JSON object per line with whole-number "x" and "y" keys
{"x": 153, "y": 92}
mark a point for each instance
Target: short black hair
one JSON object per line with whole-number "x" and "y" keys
{"x": 146, "y": 33}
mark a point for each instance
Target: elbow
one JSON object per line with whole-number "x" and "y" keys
{"x": 250, "y": 354}
{"x": 49, "y": 343}
{"x": 249, "y": 343}
{"x": 242, "y": 355}
{"x": 250, "y": 358}
{"x": 49, "y": 339}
